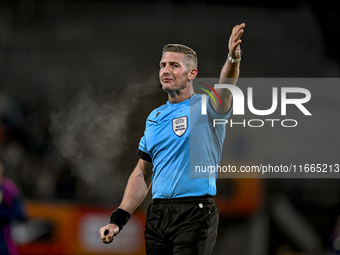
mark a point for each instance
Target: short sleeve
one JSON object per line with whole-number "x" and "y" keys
{"x": 143, "y": 152}
{"x": 142, "y": 145}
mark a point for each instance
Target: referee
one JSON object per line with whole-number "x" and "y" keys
{"x": 183, "y": 217}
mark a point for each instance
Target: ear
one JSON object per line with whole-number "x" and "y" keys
{"x": 192, "y": 74}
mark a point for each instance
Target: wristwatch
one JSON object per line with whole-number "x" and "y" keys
{"x": 232, "y": 60}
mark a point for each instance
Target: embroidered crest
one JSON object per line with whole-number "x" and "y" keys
{"x": 180, "y": 125}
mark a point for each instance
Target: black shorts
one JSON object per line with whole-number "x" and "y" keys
{"x": 181, "y": 226}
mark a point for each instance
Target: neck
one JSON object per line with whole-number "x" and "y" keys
{"x": 180, "y": 96}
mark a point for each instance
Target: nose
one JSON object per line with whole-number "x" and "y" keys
{"x": 165, "y": 70}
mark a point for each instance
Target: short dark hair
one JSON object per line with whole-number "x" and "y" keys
{"x": 190, "y": 54}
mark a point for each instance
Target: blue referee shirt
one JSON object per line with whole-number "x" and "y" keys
{"x": 177, "y": 138}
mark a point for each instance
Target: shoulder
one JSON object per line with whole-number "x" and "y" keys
{"x": 157, "y": 111}
{"x": 196, "y": 98}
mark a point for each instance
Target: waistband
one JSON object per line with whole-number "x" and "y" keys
{"x": 198, "y": 199}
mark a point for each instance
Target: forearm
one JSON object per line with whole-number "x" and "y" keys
{"x": 230, "y": 73}
{"x": 135, "y": 191}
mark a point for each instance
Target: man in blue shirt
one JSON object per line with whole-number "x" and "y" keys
{"x": 183, "y": 217}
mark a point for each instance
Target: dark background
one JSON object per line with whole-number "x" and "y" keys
{"x": 78, "y": 79}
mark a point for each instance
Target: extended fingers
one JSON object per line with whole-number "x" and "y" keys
{"x": 238, "y": 27}
{"x": 235, "y": 38}
{"x": 237, "y": 32}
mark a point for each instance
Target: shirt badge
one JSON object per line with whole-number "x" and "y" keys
{"x": 180, "y": 125}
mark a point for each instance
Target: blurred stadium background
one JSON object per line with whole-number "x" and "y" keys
{"x": 78, "y": 79}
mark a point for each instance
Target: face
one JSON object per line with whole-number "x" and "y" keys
{"x": 174, "y": 72}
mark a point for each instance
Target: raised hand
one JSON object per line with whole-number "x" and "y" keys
{"x": 235, "y": 41}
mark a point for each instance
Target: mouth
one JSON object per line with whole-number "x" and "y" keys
{"x": 166, "y": 79}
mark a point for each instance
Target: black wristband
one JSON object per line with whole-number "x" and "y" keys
{"x": 120, "y": 218}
